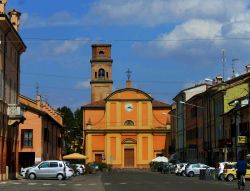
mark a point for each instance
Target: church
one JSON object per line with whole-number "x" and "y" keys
{"x": 125, "y": 128}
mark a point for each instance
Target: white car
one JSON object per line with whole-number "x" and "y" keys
{"x": 194, "y": 169}
{"x": 80, "y": 169}
{"x": 180, "y": 169}
{"x": 23, "y": 171}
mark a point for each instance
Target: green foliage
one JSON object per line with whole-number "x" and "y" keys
{"x": 73, "y": 129}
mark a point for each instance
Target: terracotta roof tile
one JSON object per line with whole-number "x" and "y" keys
{"x": 157, "y": 103}
{"x": 97, "y": 104}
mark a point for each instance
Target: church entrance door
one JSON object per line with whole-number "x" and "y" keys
{"x": 129, "y": 158}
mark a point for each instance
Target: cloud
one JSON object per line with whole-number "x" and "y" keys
{"x": 83, "y": 84}
{"x": 141, "y": 12}
{"x": 157, "y": 12}
{"x": 62, "y": 18}
{"x": 56, "y": 48}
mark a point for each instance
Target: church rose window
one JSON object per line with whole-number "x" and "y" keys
{"x": 129, "y": 123}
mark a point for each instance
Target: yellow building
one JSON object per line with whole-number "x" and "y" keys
{"x": 124, "y": 128}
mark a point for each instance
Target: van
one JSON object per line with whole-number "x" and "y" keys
{"x": 49, "y": 169}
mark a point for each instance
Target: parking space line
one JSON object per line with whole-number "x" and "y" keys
{"x": 46, "y": 184}
{"x": 78, "y": 184}
{"x": 123, "y": 183}
{"x": 16, "y": 183}
{"x": 62, "y": 184}
{"x": 32, "y": 183}
{"x": 106, "y": 183}
{"x": 92, "y": 184}
{"x": 3, "y": 182}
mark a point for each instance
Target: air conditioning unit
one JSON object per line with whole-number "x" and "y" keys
{"x": 14, "y": 111}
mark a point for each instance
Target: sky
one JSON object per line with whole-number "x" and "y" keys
{"x": 169, "y": 45}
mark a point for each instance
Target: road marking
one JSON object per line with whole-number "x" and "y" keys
{"x": 123, "y": 183}
{"x": 92, "y": 184}
{"x": 78, "y": 184}
{"x": 107, "y": 183}
{"x": 62, "y": 184}
{"x": 47, "y": 184}
{"x": 16, "y": 183}
{"x": 32, "y": 183}
{"x": 3, "y": 182}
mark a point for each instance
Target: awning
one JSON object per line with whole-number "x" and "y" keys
{"x": 75, "y": 156}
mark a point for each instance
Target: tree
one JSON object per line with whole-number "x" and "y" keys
{"x": 72, "y": 129}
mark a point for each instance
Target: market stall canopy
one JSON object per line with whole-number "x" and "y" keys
{"x": 75, "y": 156}
{"x": 160, "y": 159}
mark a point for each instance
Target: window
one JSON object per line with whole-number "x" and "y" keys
{"x": 59, "y": 142}
{"x": 101, "y": 74}
{"x": 107, "y": 74}
{"x": 27, "y": 137}
{"x": 129, "y": 123}
{"x": 194, "y": 112}
{"x": 10, "y": 91}
{"x": 101, "y": 53}
{"x": 1, "y": 84}
{"x": 46, "y": 134}
{"x": 53, "y": 164}
{"x": 44, "y": 165}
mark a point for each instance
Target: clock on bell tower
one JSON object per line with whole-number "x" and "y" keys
{"x": 101, "y": 72}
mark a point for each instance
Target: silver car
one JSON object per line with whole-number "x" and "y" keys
{"x": 48, "y": 169}
{"x": 194, "y": 169}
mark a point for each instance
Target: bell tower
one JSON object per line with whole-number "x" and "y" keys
{"x": 101, "y": 72}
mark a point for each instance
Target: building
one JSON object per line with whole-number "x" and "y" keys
{"x": 126, "y": 128}
{"x": 11, "y": 47}
{"x": 216, "y": 121}
{"x": 41, "y": 134}
{"x": 180, "y": 99}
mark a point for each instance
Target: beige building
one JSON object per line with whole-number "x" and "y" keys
{"x": 40, "y": 134}
{"x": 11, "y": 47}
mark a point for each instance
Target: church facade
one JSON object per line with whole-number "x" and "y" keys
{"x": 125, "y": 128}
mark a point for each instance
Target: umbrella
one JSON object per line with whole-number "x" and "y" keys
{"x": 160, "y": 159}
{"x": 74, "y": 156}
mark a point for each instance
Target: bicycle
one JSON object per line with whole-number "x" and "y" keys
{"x": 241, "y": 182}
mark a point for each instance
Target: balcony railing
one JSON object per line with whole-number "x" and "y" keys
{"x": 14, "y": 111}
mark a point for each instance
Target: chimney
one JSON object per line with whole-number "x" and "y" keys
{"x": 15, "y": 18}
{"x": 219, "y": 79}
{"x": 248, "y": 68}
{"x": 2, "y": 6}
{"x": 128, "y": 84}
{"x": 38, "y": 101}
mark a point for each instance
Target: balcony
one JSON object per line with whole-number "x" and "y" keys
{"x": 15, "y": 114}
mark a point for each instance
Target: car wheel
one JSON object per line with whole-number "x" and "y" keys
{"x": 32, "y": 176}
{"x": 191, "y": 174}
{"x": 230, "y": 177}
{"x": 183, "y": 173}
{"x": 78, "y": 173}
{"x": 221, "y": 177}
{"x": 60, "y": 177}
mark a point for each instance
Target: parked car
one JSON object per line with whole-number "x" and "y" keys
{"x": 50, "y": 169}
{"x": 229, "y": 171}
{"x": 220, "y": 168}
{"x": 23, "y": 171}
{"x": 180, "y": 169}
{"x": 194, "y": 169}
{"x": 80, "y": 169}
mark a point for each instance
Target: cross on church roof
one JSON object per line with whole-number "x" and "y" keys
{"x": 128, "y": 73}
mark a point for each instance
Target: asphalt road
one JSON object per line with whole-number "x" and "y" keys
{"x": 122, "y": 180}
{"x": 154, "y": 181}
